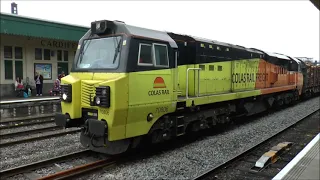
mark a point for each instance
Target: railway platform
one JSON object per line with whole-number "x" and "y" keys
{"x": 30, "y": 99}
{"x": 305, "y": 166}
{"x": 27, "y": 107}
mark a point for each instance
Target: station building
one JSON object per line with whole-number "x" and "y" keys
{"x": 30, "y": 45}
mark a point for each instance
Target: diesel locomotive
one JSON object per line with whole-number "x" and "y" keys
{"x": 128, "y": 82}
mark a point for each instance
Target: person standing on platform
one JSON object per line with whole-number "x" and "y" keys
{"x": 39, "y": 83}
{"x": 18, "y": 87}
{"x": 61, "y": 76}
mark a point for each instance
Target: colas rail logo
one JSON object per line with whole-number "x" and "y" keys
{"x": 159, "y": 87}
{"x": 159, "y": 83}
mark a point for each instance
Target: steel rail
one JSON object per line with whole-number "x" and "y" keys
{"x": 70, "y": 173}
{"x": 31, "y": 131}
{"x": 32, "y": 166}
{"x": 5, "y": 144}
{"x": 238, "y": 156}
{"x": 26, "y": 124}
{"x": 28, "y": 118}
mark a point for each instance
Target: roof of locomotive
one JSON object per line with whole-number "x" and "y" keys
{"x": 278, "y": 55}
{"x": 205, "y": 40}
{"x": 144, "y": 32}
{"x": 295, "y": 59}
{"x": 272, "y": 54}
{"x": 165, "y": 36}
{"x": 209, "y": 41}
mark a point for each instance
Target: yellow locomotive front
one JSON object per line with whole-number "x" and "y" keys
{"x": 96, "y": 91}
{"x": 110, "y": 93}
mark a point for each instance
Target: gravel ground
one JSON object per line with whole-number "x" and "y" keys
{"x": 22, "y": 154}
{"x": 25, "y": 128}
{"x": 195, "y": 158}
{"x": 32, "y": 135}
{"x": 17, "y": 177}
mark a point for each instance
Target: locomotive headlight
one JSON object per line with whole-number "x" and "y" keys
{"x": 98, "y": 100}
{"x": 66, "y": 93}
{"x": 64, "y": 96}
{"x": 98, "y": 27}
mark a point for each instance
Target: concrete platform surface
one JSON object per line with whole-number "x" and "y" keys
{"x": 28, "y": 107}
{"x": 305, "y": 166}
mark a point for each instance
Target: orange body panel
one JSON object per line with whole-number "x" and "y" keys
{"x": 273, "y": 78}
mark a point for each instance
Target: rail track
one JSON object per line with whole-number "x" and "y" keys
{"x": 29, "y": 121}
{"x": 29, "y": 170}
{"x": 15, "y": 137}
{"x": 30, "y": 131}
{"x": 242, "y": 166}
{"x": 74, "y": 172}
{"x": 41, "y": 137}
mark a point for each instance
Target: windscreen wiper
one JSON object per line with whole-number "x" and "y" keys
{"x": 117, "y": 50}
{"x": 82, "y": 48}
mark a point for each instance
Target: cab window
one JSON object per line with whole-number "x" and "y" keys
{"x": 161, "y": 55}
{"x": 153, "y": 55}
{"x": 145, "y": 54}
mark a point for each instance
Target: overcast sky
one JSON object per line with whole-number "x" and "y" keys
{"x": 288, "y": 27}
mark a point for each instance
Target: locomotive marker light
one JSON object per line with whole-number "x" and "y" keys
{"x": 150, "y": 117}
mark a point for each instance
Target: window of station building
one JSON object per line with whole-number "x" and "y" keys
{"x": 7, "y": 52}
{"x": 18, "y": 53}
{"x": 62, "y": 55}
{"x": 13, "y": 59}
{"x": 161, "y": 55}
{"x": 65, "y": 55}
{"x": 59, "y": 55}
{"x": 8, "y": 69}
{"x": 46, "y": 54}
{"x": 38, "y": 54}
{"x": 18, "y": 65}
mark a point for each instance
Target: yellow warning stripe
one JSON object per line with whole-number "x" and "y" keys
{"x": 273, "y": 154}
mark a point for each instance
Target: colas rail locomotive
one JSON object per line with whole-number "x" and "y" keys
{"x": 128, "y": 82}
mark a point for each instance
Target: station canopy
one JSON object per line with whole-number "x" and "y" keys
{"x": 13, "y": 24}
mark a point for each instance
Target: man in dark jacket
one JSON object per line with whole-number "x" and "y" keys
{"x": 38, "y": 79}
